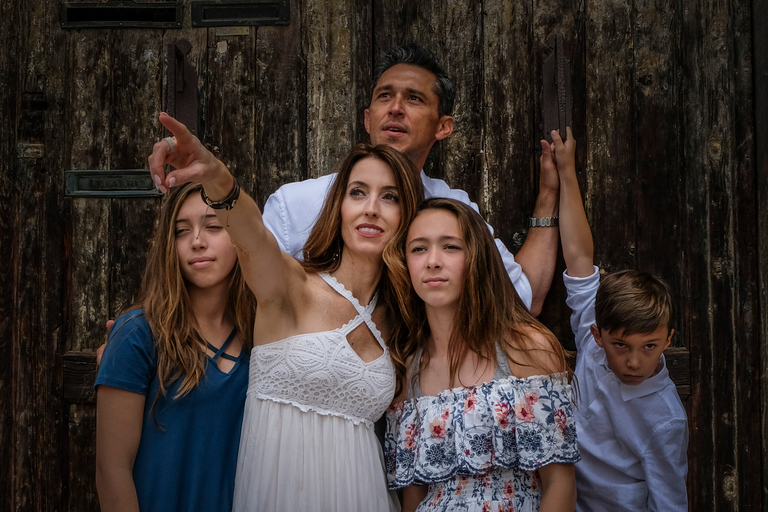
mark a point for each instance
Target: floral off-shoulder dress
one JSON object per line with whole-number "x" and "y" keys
{"x": 479, "y": 448}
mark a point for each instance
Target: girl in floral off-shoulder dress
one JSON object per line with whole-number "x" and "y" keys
{"x": 484, "y": 420}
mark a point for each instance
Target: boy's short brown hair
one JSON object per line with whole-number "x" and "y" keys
{"x": 633, "y": 302}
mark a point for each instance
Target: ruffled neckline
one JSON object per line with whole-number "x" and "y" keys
{"x": 463, "y": 391}
{"x": 511, "y": 422}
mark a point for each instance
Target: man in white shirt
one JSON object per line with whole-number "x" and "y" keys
{"x": 410, "y": 110}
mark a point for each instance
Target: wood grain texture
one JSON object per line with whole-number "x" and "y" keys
{"x": 568, "y": 19}
{"x": 40, "y": 273}
{"x": 742, "y": 283}
{"x": 137, "y": 60}
{"x": 89, "y": 242}
{"x": 658, "y": 156}
{"x": 760, "y": 77}
{"x": 90, "y": 101}
{"x": 79, "y": 373}
{"x": 610, "y": 135}
{"x": 81, "y": 463}
{"x": 331, "y": 45}
{"x": 10, "y": 14}
{"x": 280, "y": 92}
{"x": 508, "y": 176}
{"x": 722, "y": 418}
{"x": 228, "y": 70}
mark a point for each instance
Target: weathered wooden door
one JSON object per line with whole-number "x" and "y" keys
{"x": 665, "y": 101}
{"x": 86, "y": 98}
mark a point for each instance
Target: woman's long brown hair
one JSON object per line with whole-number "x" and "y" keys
{"x": 167, "y": 308}
{"x": 323, "y": 249}
{"x": 489, "y": 312}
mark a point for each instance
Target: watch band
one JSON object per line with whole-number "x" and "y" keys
{"x": 224, "y": 204}
{"x": 543, "y": 222}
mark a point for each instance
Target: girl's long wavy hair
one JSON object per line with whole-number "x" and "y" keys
{"x": 323, "y": 249}
{"x": 167, "y": 308}
{"x": 489, "y": 312}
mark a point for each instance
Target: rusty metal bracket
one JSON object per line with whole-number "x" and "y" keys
{"x": 556, "y": 95}
{"x": 181, "y": 85}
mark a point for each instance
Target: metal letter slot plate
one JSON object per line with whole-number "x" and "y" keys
{"x": 120, "y": 183}
{"x": 121, "y": 14}
{"x": 240, "y": 13}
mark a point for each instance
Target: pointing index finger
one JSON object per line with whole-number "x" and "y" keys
{"x": 178, "y": 129}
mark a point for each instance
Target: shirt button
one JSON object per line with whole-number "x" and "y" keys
{"x": 587, "y": 416}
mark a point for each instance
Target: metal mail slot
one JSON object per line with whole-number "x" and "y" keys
{"x": 238, "y": 13}
{"x": 121, "y": 14}
{"x": 120, "y": 183}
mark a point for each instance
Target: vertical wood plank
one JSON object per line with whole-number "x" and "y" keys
{"x": 333, "y": 82}
{"x": 90, "y": 101}
{"x": 508, "y": 119}
{"x": 230, "y": 102}
{"x": 717, "y": 165}
{"x": 462, "y": 57}
{"x": 739, "y": 184}
{"x": 696, "y": 319}
{"x": 280, "y": 93}
{"x": 137, "y": 60}
{"x": 81, "y": 484}
{"x": 10, "y": 224}
{"x": 610, "y": 137}
{"x": 658, "y": 152}
{"x": 37, "y": 441}
{"x": 568, "y": 19}
{"x": 760, "y": 77}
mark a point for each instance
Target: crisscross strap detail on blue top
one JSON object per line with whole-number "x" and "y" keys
{"x": 221, "y": 352}
{"x": 363, "y": 313}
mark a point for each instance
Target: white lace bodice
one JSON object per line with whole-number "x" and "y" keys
{"x": 320, "y": 372}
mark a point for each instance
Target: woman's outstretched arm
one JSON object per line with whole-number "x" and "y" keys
{"x": 271, "y": 275}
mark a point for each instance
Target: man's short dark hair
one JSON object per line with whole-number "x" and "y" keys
{"x": 417, "y": 56}
{"x": 633, "y": 302}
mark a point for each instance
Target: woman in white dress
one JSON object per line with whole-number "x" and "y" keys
{"x": 320, "y": 371}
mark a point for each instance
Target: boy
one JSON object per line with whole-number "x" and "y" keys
{"x": 631, "y": 425}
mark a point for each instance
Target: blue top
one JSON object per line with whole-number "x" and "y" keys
{"x": 188, "y": 462}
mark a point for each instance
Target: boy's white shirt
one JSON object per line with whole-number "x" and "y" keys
{"x": 633, "y": 439}
{"x": 291, "y": 212}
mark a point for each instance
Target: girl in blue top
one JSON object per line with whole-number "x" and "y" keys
{"x": 172, "y": 382}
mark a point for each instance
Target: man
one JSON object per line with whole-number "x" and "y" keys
{"x": 411, "y": 103}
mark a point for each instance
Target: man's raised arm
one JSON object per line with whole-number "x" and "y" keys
{"x": 538, "y": 254}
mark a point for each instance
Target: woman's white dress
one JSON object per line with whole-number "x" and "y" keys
{"x": 307, "y": 441}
